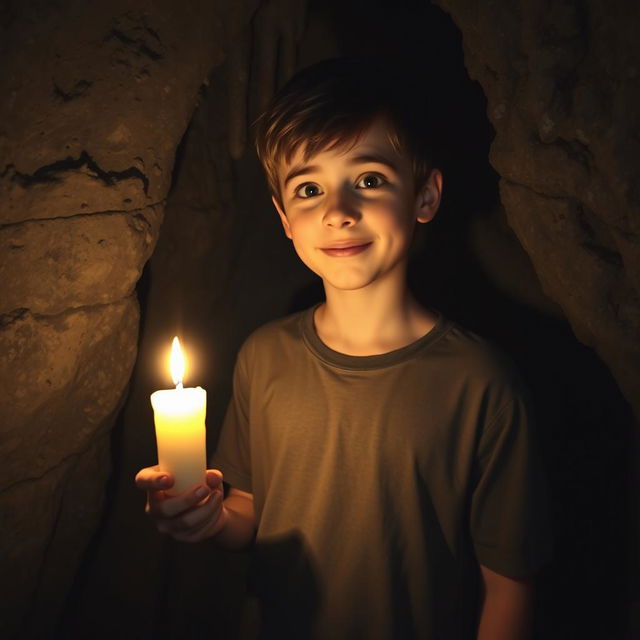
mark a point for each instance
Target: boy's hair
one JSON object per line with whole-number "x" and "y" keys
{"x": 331, "y": 104}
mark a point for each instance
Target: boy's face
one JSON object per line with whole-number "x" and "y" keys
{"x": 351, "y": 212}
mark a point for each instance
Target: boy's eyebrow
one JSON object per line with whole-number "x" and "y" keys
{"x": 360, "y": 159}
{"x": 300, "y": 171}
{"x": 374, "y": 157}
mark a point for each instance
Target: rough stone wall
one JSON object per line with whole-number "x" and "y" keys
{"x": 561, "y": 80}
{"x": 95, "y": 99}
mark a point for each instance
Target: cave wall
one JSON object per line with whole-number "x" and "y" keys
{"x": 561, "y": 80}
{"x": 95, "y": 99}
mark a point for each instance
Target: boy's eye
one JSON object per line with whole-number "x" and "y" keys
{"x": 370, "y": 181}
{"x": 308, "y": 190}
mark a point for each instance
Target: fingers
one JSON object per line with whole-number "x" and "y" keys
{"x": 165, "y": 506}
{"x": 203, "y": 520}
{"x": 214, "y": 479}
{"x": 190, "y": 516}
{"x": 187, "y": 520}
{"x": 152, "y": 479}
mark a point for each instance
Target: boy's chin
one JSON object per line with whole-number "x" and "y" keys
{"x": 346, "y": 285}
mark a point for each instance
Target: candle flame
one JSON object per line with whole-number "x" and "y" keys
{"x": 177, "y": 363}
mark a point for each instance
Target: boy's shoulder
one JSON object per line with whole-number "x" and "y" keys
{"x": 472, "y": 361}
{"x": 478, "y": 352}
{"x": 274, "y": 334}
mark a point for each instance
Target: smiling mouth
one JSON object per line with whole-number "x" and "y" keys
{"x": 344, "y": 252}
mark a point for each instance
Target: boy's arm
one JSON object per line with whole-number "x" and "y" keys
{"x": 507, "y": 608}
{"x": 239, "y": 526}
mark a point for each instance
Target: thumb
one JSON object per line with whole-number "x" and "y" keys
{"x": 214, "y": 479}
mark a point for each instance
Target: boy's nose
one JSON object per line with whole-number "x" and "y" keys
{"x": 341, "y": 213}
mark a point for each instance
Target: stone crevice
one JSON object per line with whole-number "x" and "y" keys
{"x": 54, "y": 172}
{"x": 141, "y": 47}
{"x": 48, "y": 543}
{"x": 10, "y": 317}
{"x": 537, "y": 193}
{"x": 56, "y": 466}
{"x": 574, "y": 149}
{"x": 594, "y": 229}
{"x": 7, "y": 319}
{"x": 132, "y": 30}
{"x": 84, "y": 214}
{"x": 78, "y": 90}
{"x": 606, "y": 253}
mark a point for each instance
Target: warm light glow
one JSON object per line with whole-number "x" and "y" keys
{"x": 179, "y": 416}
{"x": 177, "y": 363}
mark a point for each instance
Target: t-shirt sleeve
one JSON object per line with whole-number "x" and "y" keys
{"x": 233, "y": 451}
{"x": 510, "y": 524}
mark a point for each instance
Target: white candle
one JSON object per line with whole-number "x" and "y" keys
{"x": 179, "y": 416}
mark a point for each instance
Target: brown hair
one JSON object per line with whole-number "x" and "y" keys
{"x": 331, "y": 104}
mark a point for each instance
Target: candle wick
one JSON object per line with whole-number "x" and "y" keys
{"x": 179, "y": 385}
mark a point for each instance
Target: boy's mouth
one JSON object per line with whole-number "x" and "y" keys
{"x": 343, "y": 252}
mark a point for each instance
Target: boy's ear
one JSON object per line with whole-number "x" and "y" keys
{"x": 283, "y": 217}
{"x": 429, "y": 197}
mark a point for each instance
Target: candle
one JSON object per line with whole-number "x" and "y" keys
{"x": 179, "y": 416}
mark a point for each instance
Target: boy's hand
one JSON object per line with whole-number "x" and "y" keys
{"x": 194, "y": 515}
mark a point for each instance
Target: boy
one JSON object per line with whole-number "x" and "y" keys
{"x": 377, "y": 457}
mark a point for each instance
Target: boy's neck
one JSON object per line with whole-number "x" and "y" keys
{"x": 371, "y": 321}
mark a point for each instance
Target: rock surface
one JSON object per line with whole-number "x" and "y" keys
{"x": 561, "y": 80}
{"x": 96, "y": 98}
{"x": 48, "y": 266}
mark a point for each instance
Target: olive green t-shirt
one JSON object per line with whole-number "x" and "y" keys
{"x": 381, "y": 482}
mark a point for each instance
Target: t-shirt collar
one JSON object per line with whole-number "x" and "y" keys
{"x": 362, "y": 363}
